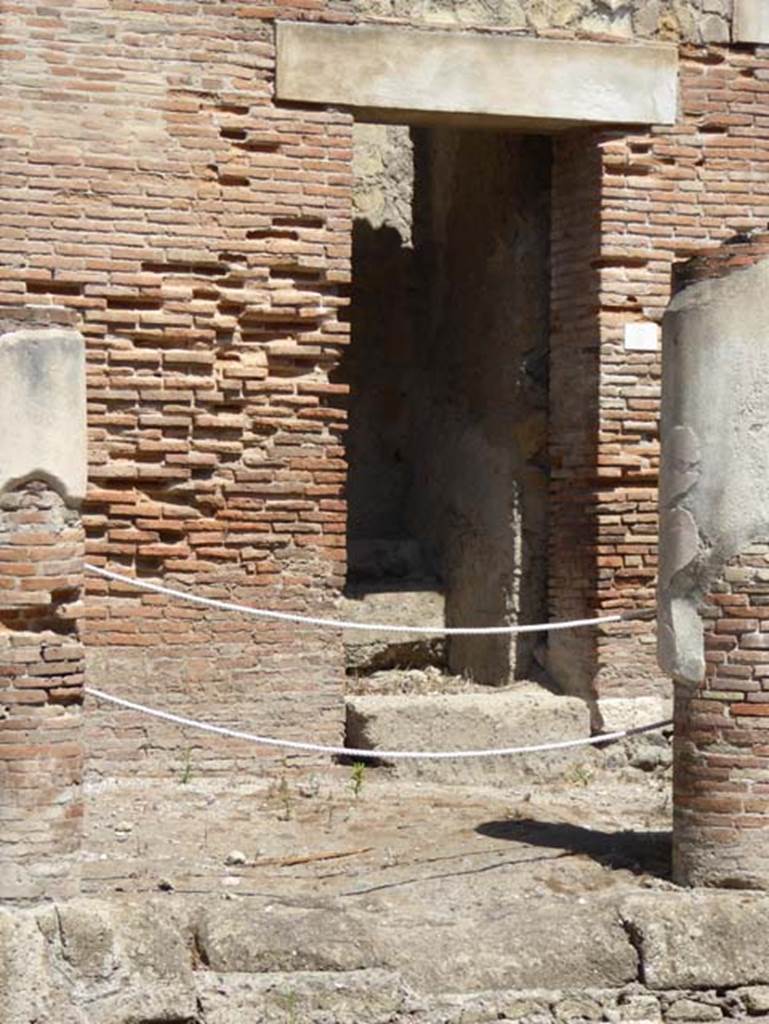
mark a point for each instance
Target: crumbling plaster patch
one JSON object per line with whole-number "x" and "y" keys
{"x": 383, "y": 165}
{"x": 751, "y": 21}
{"x": 714, "y": 483}
{"x": 689, "y": 20}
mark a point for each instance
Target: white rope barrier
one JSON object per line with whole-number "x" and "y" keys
{"x": 378, "y": 627}
{"x": 390, "y": 755}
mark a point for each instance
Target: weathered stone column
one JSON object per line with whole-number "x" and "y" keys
{"x": 714, "y": 563}
{"x": 42, "y": 481}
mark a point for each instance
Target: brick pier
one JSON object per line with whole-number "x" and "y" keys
{"x": 722, "y": 736}
{"x": 714, "y": 572}
{"x": 42, "y": 545}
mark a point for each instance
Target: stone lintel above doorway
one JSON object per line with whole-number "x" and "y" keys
{"x": 751, "y": 22}
{"x": 410, "y": 76}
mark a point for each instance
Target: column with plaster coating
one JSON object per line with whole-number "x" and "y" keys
{"x": 714, "y": 563}
{"x": 42, "y": 483}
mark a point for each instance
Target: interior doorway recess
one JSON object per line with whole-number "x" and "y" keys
{"x": 449, "y": 362}
{"x": 447, "y": 442}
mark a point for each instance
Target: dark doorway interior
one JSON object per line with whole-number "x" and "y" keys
{"x": 448, "y": 372}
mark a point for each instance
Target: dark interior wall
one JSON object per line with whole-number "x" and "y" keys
{"x": 379, "y": 363}
{"x": 381, "y": 367}
{"x": 448, "y": 374}
{"x": 481, "y": 230}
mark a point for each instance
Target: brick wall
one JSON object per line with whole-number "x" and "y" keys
{"x": 660, "y": 194}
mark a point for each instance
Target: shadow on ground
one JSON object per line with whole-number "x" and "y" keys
{"x": 640, "y": 852}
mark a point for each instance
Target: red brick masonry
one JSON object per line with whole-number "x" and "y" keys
{"x": 721, "y": 783}
{"x": 41, "y": 692}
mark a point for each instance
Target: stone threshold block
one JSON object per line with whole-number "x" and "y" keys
{"x": 117, "y": 961}
{"x": 471, "y": 720}
{"x": 407, "y": 76}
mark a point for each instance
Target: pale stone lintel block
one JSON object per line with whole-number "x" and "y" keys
{"x": 43, "y": 410}
{"x": 407, "y": 75}
{"x": 751, "y": 21}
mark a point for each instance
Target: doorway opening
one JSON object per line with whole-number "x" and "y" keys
{"x": 448, "y": 374}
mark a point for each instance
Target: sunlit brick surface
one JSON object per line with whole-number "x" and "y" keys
{"x": 721, "y": 785}
{"x": 41, "y": 693}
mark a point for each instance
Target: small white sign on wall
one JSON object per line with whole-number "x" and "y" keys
{"x": 642, "y": 336}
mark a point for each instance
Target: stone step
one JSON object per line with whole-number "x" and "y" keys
{"x": 418, "y": 604}
{"x": 524, "y": 716}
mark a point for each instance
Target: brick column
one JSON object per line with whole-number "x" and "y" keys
{"x": 721, "y": 780}
{"x": 714, "y": 571}
{"x": 42, "y": 479}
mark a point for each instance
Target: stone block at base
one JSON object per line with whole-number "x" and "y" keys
{"x": 471, "y": 721}
{"x": 700, "y": 939}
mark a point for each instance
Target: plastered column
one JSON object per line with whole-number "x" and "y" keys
{"x": 42, "y": 481}
{"x": 714, "y": 563}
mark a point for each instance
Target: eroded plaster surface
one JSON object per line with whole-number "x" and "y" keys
{"x": 43, "y": 409}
